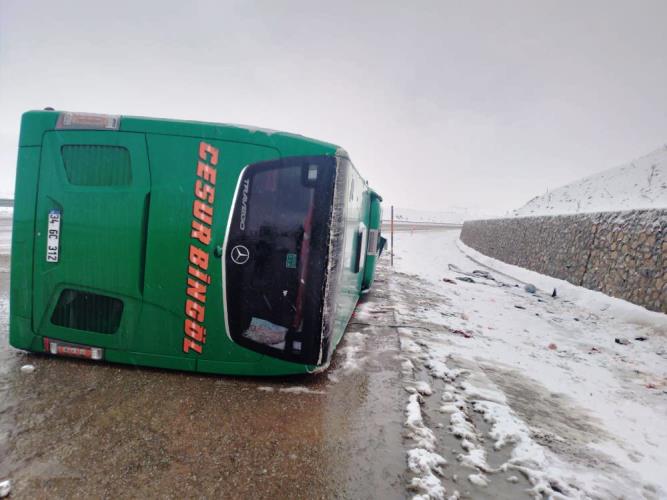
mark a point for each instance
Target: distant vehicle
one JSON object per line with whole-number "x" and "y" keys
{"x": 185, "y": 245}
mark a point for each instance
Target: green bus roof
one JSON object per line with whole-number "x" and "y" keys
{"x": 35, "y": 123}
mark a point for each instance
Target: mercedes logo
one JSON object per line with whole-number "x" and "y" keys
{"x": 240, "y": 255}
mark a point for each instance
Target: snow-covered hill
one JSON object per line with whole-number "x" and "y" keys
{"x": 635, "y": 185}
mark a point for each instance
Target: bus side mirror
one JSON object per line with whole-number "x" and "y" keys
{"x": 381, "y": 245}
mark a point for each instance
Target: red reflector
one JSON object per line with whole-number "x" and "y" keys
{"x": 68, "y": 120}
{"x": 60, "y": 348}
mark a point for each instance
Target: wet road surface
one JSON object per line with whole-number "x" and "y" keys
{"x": 76, "y": 429}
{"x": 5, "y": 235}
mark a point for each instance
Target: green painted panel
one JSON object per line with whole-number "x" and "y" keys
{"x": 101, "y": 235}
{"x": 374, "y": 224}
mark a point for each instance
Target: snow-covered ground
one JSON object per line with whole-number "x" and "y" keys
{"x": 635, "y": 185}
{"x": 514, "y": 393}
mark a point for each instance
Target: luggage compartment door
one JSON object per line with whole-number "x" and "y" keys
{"x": 90, "y": 236}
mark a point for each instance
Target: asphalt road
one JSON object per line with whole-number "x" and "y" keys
{"x": 76, "y": 429}
{"x": 417, "y": 226}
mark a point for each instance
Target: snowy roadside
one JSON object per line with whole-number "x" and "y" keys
{"x": 512, "y": 393}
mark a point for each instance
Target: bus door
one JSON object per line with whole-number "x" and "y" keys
{"x": 90, "y": 236}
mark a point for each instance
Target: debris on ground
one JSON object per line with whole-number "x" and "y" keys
{"x": 530, "y": 288}
{"x": 466, "y": 279}
{"x": 553, "y": 346}
{"x": 5, "y": 488}
{"x": 448, "y": 280}
{"x": 641, "y": 338}
{"x": 593, "y": 350}
{"x": 622, "y": 341}
{"x": 554, "y": 293}
{"x": 475, "y": 274}
{"x": 28, "y": 368}
{"x": 463, "y": 333}
{"x": 519, "y": 307}
{"x": 483, "y": 274}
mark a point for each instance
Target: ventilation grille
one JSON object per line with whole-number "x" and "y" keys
{"x": 93, "y": 165}
{"x": 87, "y": 311}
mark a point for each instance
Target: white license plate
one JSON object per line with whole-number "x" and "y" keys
{"x": 53, "y": 236}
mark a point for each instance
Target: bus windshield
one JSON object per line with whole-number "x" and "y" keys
{"x": 276, "y": 255}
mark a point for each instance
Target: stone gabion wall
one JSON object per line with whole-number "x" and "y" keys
{"x": 622, "y": 254}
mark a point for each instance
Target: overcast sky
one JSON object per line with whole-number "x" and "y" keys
{"x": 464, "y": 103}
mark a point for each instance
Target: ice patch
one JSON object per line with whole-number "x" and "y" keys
{"x": 352, "y": 359}
{"x": 290, "y": 390}
{"x": 5, "y": 488}
{"x": 460, "y": 426}
{"x": 527, "y": 456}
{"x": 409, "y": 346}
{"x": 478, "y": 479}
{"x": 475, "y": 458}
{"x": 407, "y": 367}
{"x": 419, "y": 432}
{"x": 506, "y": 429}
{"x": 421, "y": 461}
{"x": 429, "y": 486}
{"x": 440, "y": 370}
{"x": 420, "y": 387}
{"x": 300, "y": 390}
{"x": 473, "y": 392}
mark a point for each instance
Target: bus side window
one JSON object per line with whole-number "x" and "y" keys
{"x": 361, "y": 247}
{"x": 357, "y": 257}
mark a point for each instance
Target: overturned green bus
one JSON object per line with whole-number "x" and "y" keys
{"x": 186, "y": 245}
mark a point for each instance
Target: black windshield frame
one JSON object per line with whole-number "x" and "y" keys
{"x": 267, "y": 289}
